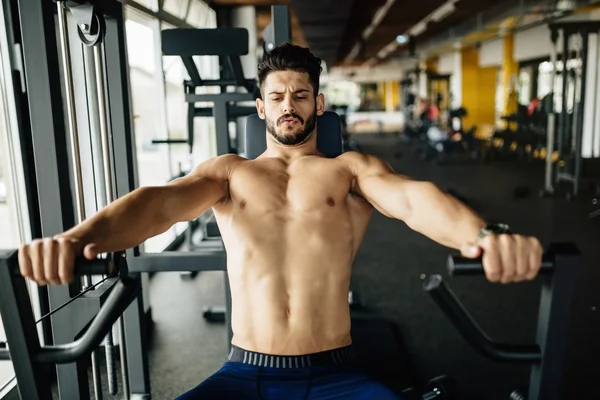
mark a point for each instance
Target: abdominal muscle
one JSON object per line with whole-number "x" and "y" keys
{"x": 289, "y": 282}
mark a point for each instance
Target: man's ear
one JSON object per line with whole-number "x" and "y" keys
{"x": 260, "y": 108}
{"x": 320, "y": 104}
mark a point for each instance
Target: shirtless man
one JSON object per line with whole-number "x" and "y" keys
{"x": 292, "y": 222}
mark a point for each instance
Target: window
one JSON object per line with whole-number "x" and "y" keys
{"x": 146, "y": 83}
{"x": 177, "y": 8}
{"x": 149, "y": 4}
{"x": 199, "y": 14}
{"x": 147, "y": 94}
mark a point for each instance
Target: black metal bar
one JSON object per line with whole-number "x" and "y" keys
{"x": 204, "y": 260}
{"x": 234, "y": 111}
{"x": 554, "y": 323}
{"x": 237, "y": 72}
{"x": 169, "y": 141}
{"x": 137, "y": 346}
{"x": 21, "y": 333}
{"x": 227, "y": 82}
{"x": 577, "y": 26}
{"x": 192, "y": 70}
{"x": 222, "y": 97}
{"x": 190, "y": 118}
{"x": 461, "y": 266}
{"x": 122, "y": 294}
{"x": 222, "y": 127}
{"x": 472, "y": 332}
{"x": 279, "y": 30}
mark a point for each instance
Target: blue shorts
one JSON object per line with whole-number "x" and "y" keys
{"x": 321, "y": 376}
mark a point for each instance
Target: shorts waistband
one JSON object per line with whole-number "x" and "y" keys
{"x": 341, "y": 356}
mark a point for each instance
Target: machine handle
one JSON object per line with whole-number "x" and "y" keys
{"x": 472, "y": 332}
{"x": 459, "y": 266}
{"x": 121, "y": 296}
{"x": 99, "y": 266}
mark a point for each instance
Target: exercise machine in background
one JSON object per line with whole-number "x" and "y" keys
{"x": 566, "y": 127}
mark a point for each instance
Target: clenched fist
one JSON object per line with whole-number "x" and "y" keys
{"x": 52, "y": 260}
{"x": 507, "y": 258}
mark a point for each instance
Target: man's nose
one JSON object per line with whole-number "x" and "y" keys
{"x": 288, "y": 105}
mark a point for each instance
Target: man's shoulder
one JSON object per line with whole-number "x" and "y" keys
{"x": 363, "y": 163}
{"x": 219, "y": 167}
{"x": 356, "y": 158}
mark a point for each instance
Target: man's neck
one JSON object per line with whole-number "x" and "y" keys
{"x": 277, "y": 150}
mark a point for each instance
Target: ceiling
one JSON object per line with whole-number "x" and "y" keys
{"x": 334, "y": 29}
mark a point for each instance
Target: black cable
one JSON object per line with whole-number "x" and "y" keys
{"x": 73, "y": 299}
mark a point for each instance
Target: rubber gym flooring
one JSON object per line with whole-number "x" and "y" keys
{"x": 406, "y": 338}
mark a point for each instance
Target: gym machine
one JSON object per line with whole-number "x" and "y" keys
{"x": 84, "y": 127}
{"x": 439, "y": 94}
{"x": 566, "y": 136}
{"x": 228, "y": 44}
{"x": 279, "y": 30}
{"x": 560, "y": 269}
{"x": 559, "y": 272}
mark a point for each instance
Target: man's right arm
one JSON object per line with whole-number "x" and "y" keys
{"x": 128, "y": 221}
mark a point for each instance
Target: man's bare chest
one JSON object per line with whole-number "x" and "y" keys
{"x": 302, "y": 190}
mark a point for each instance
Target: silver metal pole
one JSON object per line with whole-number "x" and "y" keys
{"x": 108, "y": 179}
{"x": 75, "y": 156}
{"x": 71, "y": 115}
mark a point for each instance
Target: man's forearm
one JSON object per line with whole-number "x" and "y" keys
{"x": 125, "y": 223}
{"x": 440, "y": 216}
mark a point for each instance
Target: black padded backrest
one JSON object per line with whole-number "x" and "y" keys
{"x": 329, "y": 135}
{"x": 205, "y": 42}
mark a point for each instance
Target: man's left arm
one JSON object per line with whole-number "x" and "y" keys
{"x": 443, "y": 218}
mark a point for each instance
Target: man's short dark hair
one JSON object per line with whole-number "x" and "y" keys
{"x": 289, "y": 57}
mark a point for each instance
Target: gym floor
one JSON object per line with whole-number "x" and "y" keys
{"x": 415, "y": 342}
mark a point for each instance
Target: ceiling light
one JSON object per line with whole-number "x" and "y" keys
{"x": 402, "y": 39}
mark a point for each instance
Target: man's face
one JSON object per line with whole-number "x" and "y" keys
{"x": 289, "y": 107}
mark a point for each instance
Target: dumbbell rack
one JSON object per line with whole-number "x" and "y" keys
{"x": 560, "y": 270}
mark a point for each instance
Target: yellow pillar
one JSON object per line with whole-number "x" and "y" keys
{"x": 470, "y": 85}
{"x": 395, "y": 94}
{"x": 383, "y": 93}
{"x": 478, "y": 91}
{"x": 510, "y": 71}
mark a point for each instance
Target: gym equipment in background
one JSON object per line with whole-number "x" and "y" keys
{"x": 566, "y": 135}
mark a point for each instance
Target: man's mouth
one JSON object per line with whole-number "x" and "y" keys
{"x": 289, "y": 121}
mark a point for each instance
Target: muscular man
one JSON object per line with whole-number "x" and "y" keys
{"x": 292, "y": 222}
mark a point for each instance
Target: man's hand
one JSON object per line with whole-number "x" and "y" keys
{"x": 507, "y": 258}
{"x": 52, "y": 260}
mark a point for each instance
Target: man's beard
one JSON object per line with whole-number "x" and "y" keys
{"x": 293, "y": 139}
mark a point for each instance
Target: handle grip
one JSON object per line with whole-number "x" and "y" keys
{"x": 84, "y": 266}
{"x": 461, "y": 266}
